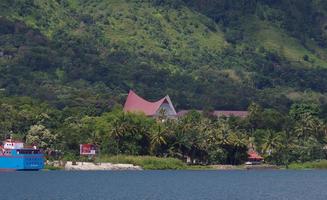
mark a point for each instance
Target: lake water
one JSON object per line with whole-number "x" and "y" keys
{"x": 165, "y": 185}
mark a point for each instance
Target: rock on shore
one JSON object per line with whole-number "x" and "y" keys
{"x": 88, "y": 166}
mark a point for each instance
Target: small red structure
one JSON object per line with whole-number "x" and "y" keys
{"x": 87, "y": 149}
{"x": 135, "y": 103}
{"x": 254, "y": 158}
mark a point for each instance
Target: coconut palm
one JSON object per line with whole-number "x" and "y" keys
{"x": 158, "y": 137}
{"x": 271, "y": 142}
{"x": 122, "y": 129}
{"x": 179, "y": 146}
{"x": 308, "y": 126}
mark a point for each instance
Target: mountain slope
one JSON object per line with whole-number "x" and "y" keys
{"x": 86, "y": 54}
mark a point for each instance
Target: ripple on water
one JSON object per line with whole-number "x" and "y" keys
{"x": 165, "y": 185}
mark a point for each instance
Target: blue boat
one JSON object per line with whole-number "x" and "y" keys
{"x": 15, "y": 156}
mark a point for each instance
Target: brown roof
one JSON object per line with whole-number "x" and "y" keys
{"x": 234, "y": 113}
{"x": 219, "y": 113}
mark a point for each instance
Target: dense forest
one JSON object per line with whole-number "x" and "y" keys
{"x": 66, "y": 64}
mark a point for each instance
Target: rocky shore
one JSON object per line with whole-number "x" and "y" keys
{"x": 263, "y": 166}
{"x": 243, "y": 167}
{"x": 89, "y": 166}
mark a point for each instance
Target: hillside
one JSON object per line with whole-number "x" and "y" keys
{"x": 84, "y": 55}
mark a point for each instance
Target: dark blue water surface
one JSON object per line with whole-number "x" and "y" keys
{"x": 165, "y": 185}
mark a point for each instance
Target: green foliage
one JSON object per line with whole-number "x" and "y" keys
{"x": 201, "y": 139}
{"x": 50, "y": 167}
{"x": 74, "y": 53}
{"x": 40, "y": 136}
{"x": 146, "y": 162}
{"x": 309, "y": 165}
{"x": 66, "y": 64}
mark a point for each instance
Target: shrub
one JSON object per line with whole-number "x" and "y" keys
{"x": 322, "y": 164}
{"x": 146, "y": 162}
{"x": 306, "y": 58}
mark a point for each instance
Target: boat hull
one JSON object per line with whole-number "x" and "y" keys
{"x": 22, "y": 162}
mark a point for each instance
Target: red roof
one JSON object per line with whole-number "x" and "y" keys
{"x": 135, "y": 103}
{"x": 252, "y": 155}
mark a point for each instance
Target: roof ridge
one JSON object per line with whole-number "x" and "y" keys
{"x": 136, "y": 103}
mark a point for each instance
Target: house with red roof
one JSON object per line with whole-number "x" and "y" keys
{"x": 135, "y": 103}
{"x": 254, "y": 158}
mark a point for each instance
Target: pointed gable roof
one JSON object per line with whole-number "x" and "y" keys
{"x": 135, "y": 103}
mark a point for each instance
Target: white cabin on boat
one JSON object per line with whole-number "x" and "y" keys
{"x": 9, "y": 144}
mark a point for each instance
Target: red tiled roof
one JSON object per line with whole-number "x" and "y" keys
{"x": 252, "y": 155}
{"x": 135, "y": 103}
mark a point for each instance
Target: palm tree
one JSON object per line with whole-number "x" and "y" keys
{"x": 120, "y": 126}
{"x": 180, "y": 144}
{"x": 190, "y": 137}
{"x": 271, "y": 142}
{"x": 237, "y": 139}
{"x": 286, "y": 146}
{"x": 301, "y": 130}
{"x": 158, "y": 137}
{"x": 237, "y": 144}
{"x": 220, "y": 133}
{"x": 307, "y": 126}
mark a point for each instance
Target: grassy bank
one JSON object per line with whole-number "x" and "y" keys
{"x": 322, "y": 164}
{"x": 146, "y": 162}
{"x": 50, "y": 167}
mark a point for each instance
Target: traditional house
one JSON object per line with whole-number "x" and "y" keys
{"x": 135, "y": 103}
{"x": 254, "y": 158}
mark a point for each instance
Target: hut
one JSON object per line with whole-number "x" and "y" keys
{"x": 254, "y": 158}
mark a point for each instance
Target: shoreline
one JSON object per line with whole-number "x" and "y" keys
{"x": 152, "y": 163}
{"x": 108, "y": 166}
{"x": 89, "y": 166}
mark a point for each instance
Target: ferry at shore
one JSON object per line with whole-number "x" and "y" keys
{"x": 15, "y": 156}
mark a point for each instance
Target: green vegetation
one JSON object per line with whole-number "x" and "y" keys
{"x": 202, "y": 139}
{"x": 66, "y": 65}
{"x": 146, "y": 162}
{"x": 152, "y": 162}
{"x": 287, "y": 46}
{"x": 49, "y": 167}
{"x": 84, "y": 56}
{"x": 309, "y": 165}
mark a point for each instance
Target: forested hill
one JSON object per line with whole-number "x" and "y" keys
{"x": 84, "y": 55}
